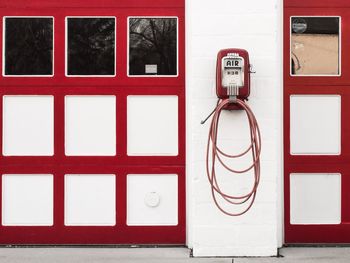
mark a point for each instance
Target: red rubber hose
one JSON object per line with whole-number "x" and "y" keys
{"x": 216, "y": 154}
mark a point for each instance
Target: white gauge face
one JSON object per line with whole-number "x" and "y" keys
{"x": 232, "y": 71}
{"x": 232, "y": 77}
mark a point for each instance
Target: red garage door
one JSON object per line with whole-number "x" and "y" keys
{"x": 316, "y": 130}
{"x": 93, "y": 122}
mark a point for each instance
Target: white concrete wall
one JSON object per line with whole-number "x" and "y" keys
{"x": 256, "y": 26}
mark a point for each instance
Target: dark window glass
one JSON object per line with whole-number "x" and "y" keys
{"x": 28, "y": 46}
{"x": 153, "y": 46}
{"x": 91, "y": 46}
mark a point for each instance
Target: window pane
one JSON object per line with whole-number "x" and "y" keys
{"x": 315, "y": 46}
{"x": 91, "y": 46}
{"x": 28, "y": 46}
{"x": 153, "y": 46}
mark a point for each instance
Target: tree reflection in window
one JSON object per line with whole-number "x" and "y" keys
{"x": 28, "y": 46}
{"x": 91, "y": 48}
{"x": 153, "y": 46}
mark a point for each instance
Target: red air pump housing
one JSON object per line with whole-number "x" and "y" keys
{"x": 233, "y": 73}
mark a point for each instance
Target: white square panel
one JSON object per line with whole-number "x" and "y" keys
{"x": 90, "y": 125}
{"x": 27, "y": 200}
{"x": 315, "y": 198}
{"x": 315, "y": 124}
{"x": 90, "y": 200}
{"x": 152, "y": 125}
{"x": 152, "y": 199}
{"x": 28, "y": 126}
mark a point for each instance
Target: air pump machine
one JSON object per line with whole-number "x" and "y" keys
{"x": 232, "y": 89}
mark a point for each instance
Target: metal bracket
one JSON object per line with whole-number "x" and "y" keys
{"x": 251, "y": 69}
{"x": 232, "y": 90}
{"x": 232, "y": 98}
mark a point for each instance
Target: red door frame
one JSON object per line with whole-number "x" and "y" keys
{"x": 121, "y": 86}
{"x": 318, "y": 85}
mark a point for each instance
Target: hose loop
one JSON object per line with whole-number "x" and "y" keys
{"x": 216, "y": 155}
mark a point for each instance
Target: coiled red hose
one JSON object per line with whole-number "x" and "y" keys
{"x": 216, "y": 155}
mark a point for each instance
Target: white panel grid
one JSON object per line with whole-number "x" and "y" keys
{"x": 27, "y": 200}
{"x": 152, "y": 128}
{"x": 28, "y": 125}
{"x": 315, "y": 198}
{"x": 90, "y": 125}
{"x": 315, "y": 124}
{"x": 152, "y": 199}
{"x": 90, "y": 200}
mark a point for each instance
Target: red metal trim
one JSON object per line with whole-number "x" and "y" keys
{"x": 322, "y": 164}
{"x": 94, "y": 3}
{"x": 121, "y": 79}
{"x": 118, "y": 234}
{"x": 121, "y": 86}
{"x": 319, "y": 3}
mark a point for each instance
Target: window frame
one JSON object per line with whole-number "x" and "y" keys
{"x": 128, "y": 49}
{"x": 66, "y": 48}
{"x": 339, "y": 45}
{"x": 4, "y": 47}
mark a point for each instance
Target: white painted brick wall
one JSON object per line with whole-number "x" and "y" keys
{"x": 254, "y": 25}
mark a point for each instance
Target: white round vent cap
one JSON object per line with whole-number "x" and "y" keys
{"x": 152, "y": 199}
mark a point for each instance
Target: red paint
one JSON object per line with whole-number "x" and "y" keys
{"x": 318, "y": 3}
{"x": 318, "y": 85}
{"x": 121, "y": 86}
{"x": 244, "y": 91}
